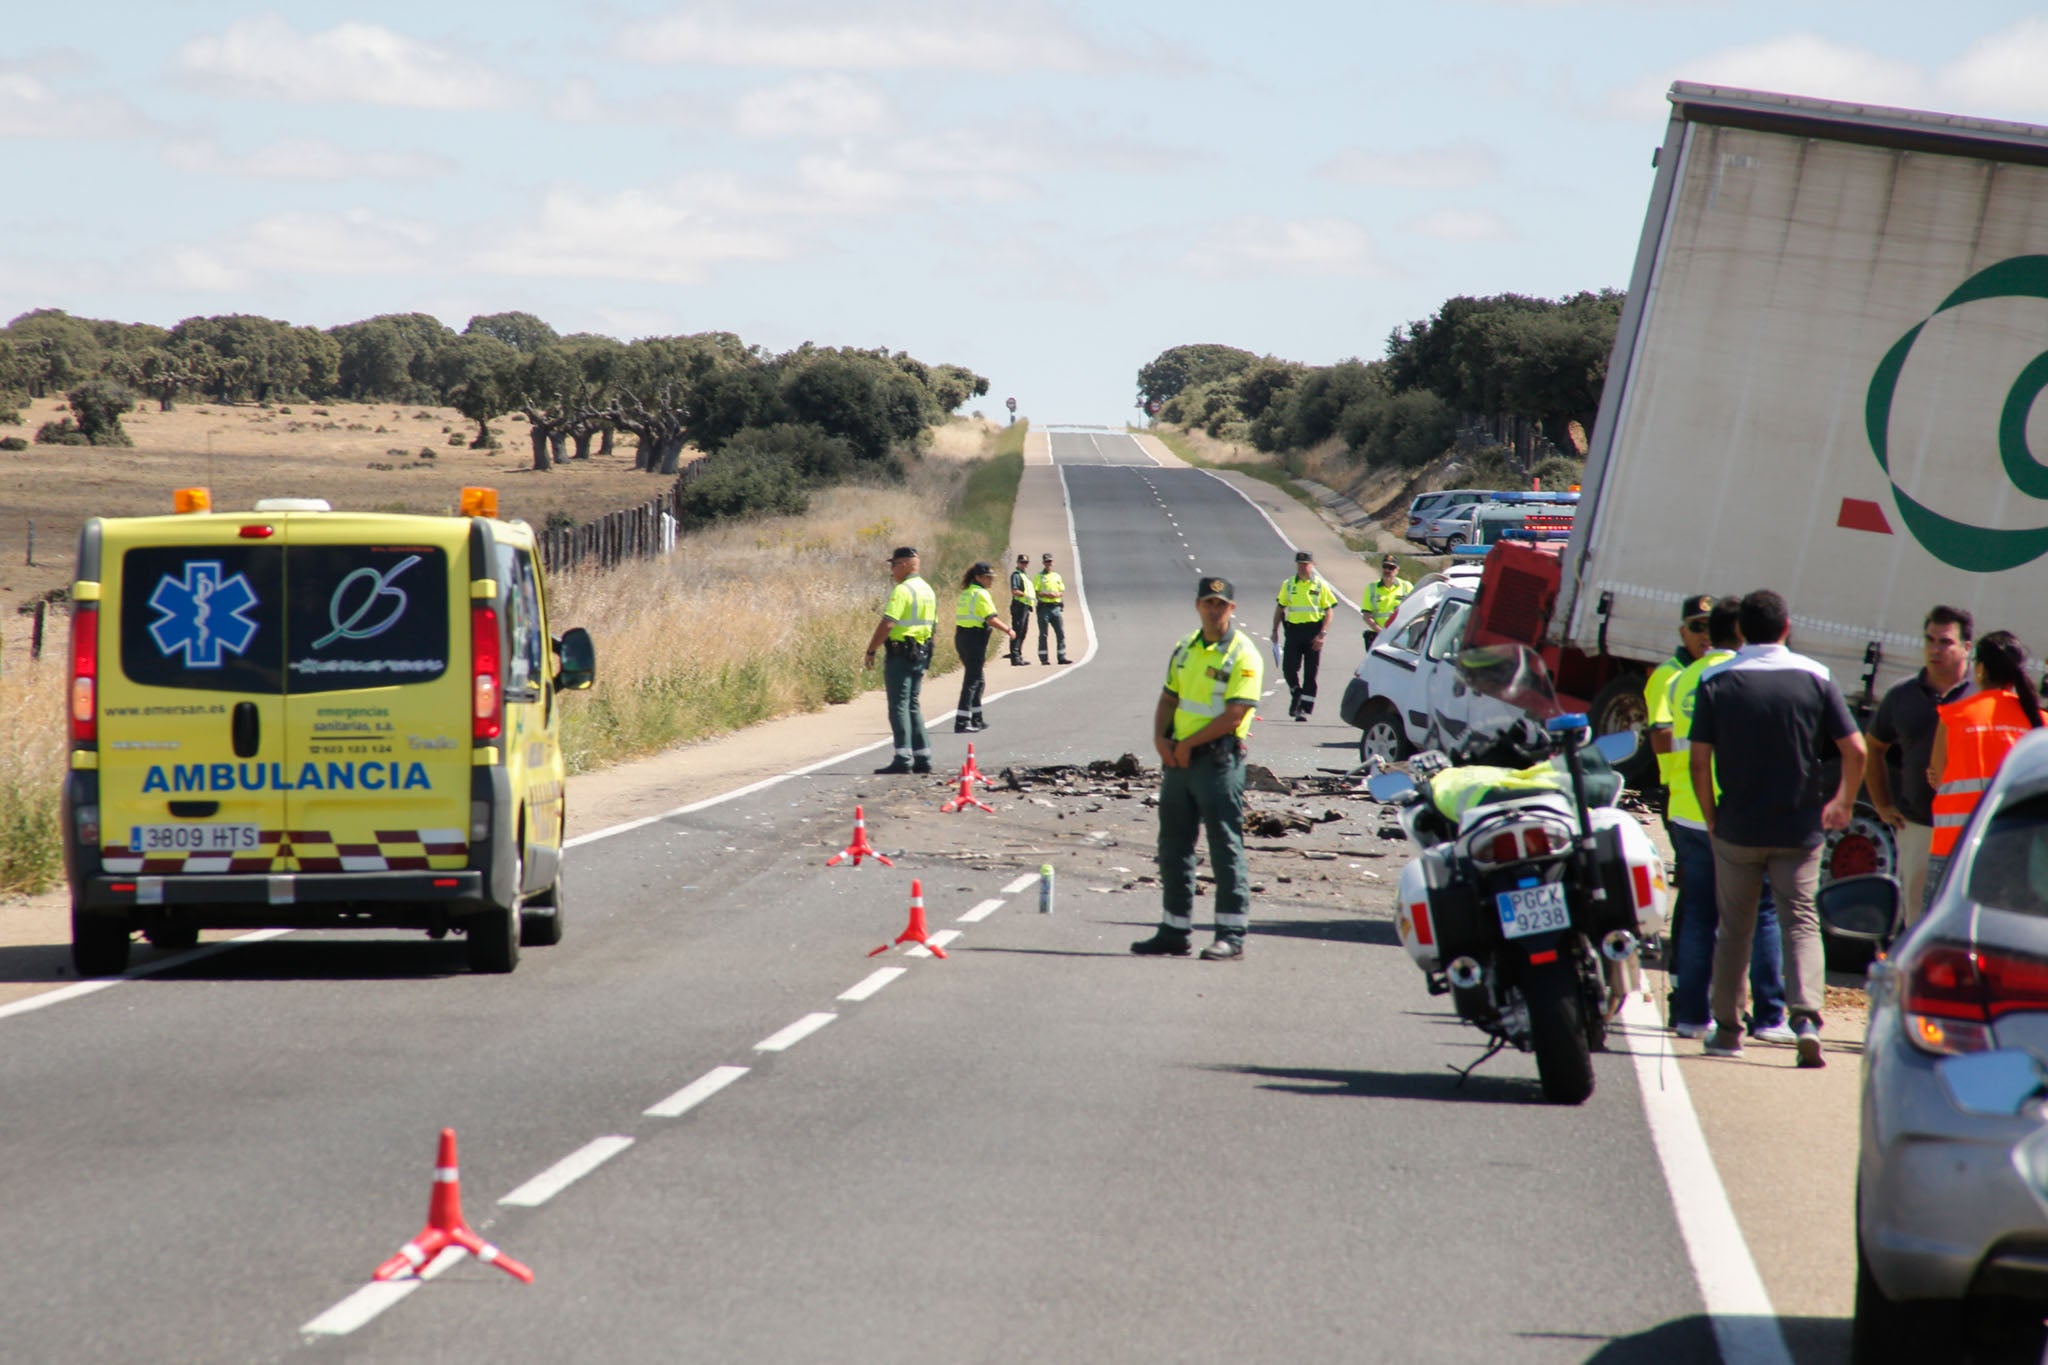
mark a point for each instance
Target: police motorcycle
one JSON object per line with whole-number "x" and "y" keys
{"x": 1528, "y": 884}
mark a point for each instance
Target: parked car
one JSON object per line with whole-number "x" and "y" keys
{"x": 1424, "y": 512}
{"x": 1952, "y": 1167}
{"x": 1533, "y": 522}
{"x": 1459, "y": 525}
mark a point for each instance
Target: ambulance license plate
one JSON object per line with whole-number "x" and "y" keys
{"x": 1533, "y": 910}
{"x": 193, "y": 838}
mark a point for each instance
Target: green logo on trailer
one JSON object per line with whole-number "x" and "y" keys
{"x": 1975, "y": 549}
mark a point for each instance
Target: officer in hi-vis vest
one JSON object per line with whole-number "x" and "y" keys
{"x": 906, "y": 631}
{"x": 1051, "y": 590}
{"x": 1302, "y": 610}
{"x": 1198, "y": 728}
{"x": 1023, "y": 597}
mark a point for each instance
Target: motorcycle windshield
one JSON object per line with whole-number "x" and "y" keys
{"x": 1514, "y": 674}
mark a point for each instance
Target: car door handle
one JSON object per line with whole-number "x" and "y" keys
{"x": 247, "y": 729}
{"x": 1457, "y": 689}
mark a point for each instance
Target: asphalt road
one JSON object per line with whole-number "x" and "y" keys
{"x": 1040, "y": 1148}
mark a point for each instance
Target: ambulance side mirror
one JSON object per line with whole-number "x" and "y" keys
{"x": 578, "y": 661}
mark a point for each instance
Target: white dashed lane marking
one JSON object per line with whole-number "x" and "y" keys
{"x": 785, "y": 1039}
{"x": 696, "y": 1092}
{"x": 881, "y": 977}
{"x": 939, "y": 940}
{"x": 375, "y": 1297}
{"x": 1014, "y": 887}
{"x": 566, "y": 1172}
{"x": 980, "y": 912}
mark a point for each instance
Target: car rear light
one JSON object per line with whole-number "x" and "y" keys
{"x": 1954, "y": 994}
{"x": 85, "y": 672}
{"x": 258, "y": 531}
{"x": 487, "y": 693}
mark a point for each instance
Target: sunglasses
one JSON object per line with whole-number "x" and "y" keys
{"x": 1696, "y": 624}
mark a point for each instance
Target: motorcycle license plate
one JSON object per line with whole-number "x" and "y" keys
{"x": 1533, "y": 910}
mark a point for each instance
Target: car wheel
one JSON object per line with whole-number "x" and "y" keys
{"x": 172, "y": 936}
{"x": 1619, "y": 706}
{"x": 99, "y": 942}
{"x": 494, "y": 931}
{"x": 1888, "y": 1331}
{"x": 540, "y": 916}
{"x": 1382, "y": 736}
{"x": 1455, "y": 541}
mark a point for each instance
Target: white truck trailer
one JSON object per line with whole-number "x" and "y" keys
{"x": 1824, "y": 382}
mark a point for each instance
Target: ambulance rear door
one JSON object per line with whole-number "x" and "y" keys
{"x": 191, "y": 726}
{"x": 377, "y": 693}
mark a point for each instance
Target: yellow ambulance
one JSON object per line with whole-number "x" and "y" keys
{"x": 302, "y": 718}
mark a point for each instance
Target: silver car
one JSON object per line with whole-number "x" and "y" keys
{"x": 1952, "y": 1175}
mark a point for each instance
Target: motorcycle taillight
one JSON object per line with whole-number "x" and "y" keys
{"x": 1503, "y": 849}
{"x": 1536, "y": 840}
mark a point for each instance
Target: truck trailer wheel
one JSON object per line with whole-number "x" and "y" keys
{"x": 1619, "y": 706}
{"x": 99, "y": 943}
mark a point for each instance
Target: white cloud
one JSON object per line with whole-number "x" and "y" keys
{"x": 831, "y": 105}
{"x": 1449, "y": 165}
{"x": 305, "y": 159}
{"x": 351, "y": 63}
{"x": 580, "y": 101}
{"x": 1260, "y": 245}
{"x": 1997, "y": 77}
{"x": 30, "y": 107}
{"x": 1461, "y": 225}
{"x": 658, "y": 237}
{"x": 980, "y": 36}
{"x": 284, "y": 245}
{"x": 2001, "y": 72}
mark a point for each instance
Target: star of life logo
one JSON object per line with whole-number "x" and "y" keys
{"x": 202, "y": 614}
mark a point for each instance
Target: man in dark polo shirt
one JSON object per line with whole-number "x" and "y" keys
{"x": 1904, "y": 728}
{"x": 1761, "y": 722}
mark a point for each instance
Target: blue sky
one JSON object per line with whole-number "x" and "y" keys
{"x": 1048, "y": 193}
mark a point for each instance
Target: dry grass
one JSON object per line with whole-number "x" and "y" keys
{"x": 32, "y": 768}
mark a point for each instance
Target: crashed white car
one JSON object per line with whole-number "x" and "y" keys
{"x": 1407, "y": 694}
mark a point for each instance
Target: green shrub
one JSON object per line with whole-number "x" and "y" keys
{"x": 426, "y": 453}
{"x": 12, "y": 443}
{"x": 98, "y": 405}
{"x": 744, "y": 485}
{"x": 457, "y": 439}
{"x": 63, "y": 432}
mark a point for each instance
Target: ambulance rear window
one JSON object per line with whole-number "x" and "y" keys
{"x": 209, "y": 618}
{"x": 365, "y": 616}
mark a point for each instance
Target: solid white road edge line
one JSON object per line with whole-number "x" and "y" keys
{"x": 203, "y": 951}
{"x": 566, "y": 1172}
{"x": 1745, "y": 1324}
{"x": 784, "y": 1039}
{"x": 876, "y": 979}
{"x": 980, "y": 912}
{"x": 939, "y": 940}
{"x": 1014, "y": 887}
{"x": 375, "y": 1297}
{"x": 696, "y": 1092}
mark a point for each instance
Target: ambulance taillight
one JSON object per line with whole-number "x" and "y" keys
{"x": 487, "y": 692}
{"x": 85, "y": 672}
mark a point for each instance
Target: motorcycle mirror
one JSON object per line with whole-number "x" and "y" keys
{"x": 1863, "y": 908}
{"x": 1998, "y": 1082}
{"x": 1618, "y": 747}
{"x": 1389, "y": 787}
{"x": 1514, "y": 674}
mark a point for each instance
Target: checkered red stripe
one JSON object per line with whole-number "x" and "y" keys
{"x": 302, "y": 850}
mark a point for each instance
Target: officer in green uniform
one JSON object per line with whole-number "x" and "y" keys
{"x": 905, "y": 632}
{"x": 1302, "y": 610}
{"x": 1198, "y": 727}
{"x": 974, "y": 616}
{"x": 1052, "y": 591}
{"x": 1023, "y": 597}
{"x": 1383, "y": 597}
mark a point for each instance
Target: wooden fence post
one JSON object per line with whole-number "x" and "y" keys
{"x": 35, "y": 639}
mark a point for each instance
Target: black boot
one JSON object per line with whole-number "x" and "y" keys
{"x": 897, "y": 766}
{"x": 1224, "y": 949}
{"x": 920, "y": 765}
{"x": 1165, "y": 943}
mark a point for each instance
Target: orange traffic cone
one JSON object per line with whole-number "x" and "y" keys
{"x": 966, "y": 797}
{"x": 860, "y": 847}
{"x": 445, "y": 1225}
{"x": 970, "y": 773}
{"x": 915, "y": 931}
